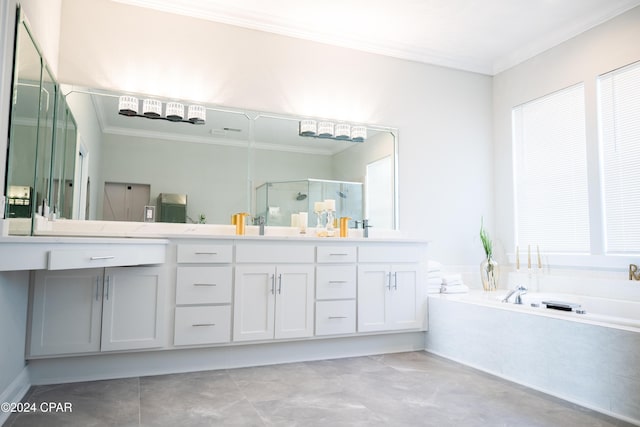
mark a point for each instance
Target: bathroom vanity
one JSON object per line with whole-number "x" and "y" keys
{"x": 221, "y": 291}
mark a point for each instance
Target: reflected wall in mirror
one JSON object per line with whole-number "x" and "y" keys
{"x": 141, "y": 160}
{"x": 286, "y": 164}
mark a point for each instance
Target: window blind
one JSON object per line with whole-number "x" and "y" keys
{"x": 550, "y": 170}
{"x": 619, "y": 125}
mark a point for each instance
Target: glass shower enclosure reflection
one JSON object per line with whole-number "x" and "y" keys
{"x": 277, "y": 201}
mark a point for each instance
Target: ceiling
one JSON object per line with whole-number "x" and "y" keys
{"x": 487, "y": 36}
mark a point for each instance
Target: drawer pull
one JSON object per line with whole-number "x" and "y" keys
{"x": 197, "y": 325}
{"x": 338, "y": 317}
{"x": 97, "y": 258}
{"x": 339, "y": 254}
{"x": 206, "y": 253}
{"x": 337, "y": 281}
{"x": 205, "y": 284}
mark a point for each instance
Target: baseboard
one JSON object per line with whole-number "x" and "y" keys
{"x": 540, "y": 389}
{"x": 125, "y": 365}
{"x": 15, "y": 392}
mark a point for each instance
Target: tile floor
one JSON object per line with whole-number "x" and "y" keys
{"x": 402, "y": 389}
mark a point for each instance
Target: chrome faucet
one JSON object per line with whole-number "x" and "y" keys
{"x": 259, "y": 220}
{"x": 634, "y": 273}
{"x": 518, "y": 292}
{"x": 366, "y": 227}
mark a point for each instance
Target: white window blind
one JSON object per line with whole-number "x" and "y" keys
{"x": 550, "y": 170}
{"x": 619, "y": 96}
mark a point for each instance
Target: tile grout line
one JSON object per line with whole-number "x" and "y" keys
{"x": 139, "y": 403}
{"x": 226, "y": 371}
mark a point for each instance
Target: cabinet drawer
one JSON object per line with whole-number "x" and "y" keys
{"x": 106, "y": 256}
{"x": 335, "y": 317}
{"x": 203, "y": 285}
{"x": 285, "y": 252}
{"x": 338, "y": 254}
{"x": 202, "y": 325}
{"x": 195, "y": 254}
{"x": 336, "y": 281}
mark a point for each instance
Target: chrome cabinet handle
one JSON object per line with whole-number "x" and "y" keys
{"x": 107, "y": 290}
{"x": 206, "y": 253}
{"x": 338, "y": 317}
{"x": 273, "y": 284}
{"x": 97, "y": 258}
{"x": 389, "y": 281}
{"x": 280, "y": 283}
{"x": 395, "y": 280}
{"x": 197, "y": 325}
{"x": 338, "y": 254}
{"x": 337, "y": 281}
{"x": 97, "y": 288}
{"x": 205, "y": 284}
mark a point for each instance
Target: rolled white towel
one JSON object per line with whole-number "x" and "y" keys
{"x": 456, "y": 289}
{"x": 450, "y": 279}
{"x": 434, "y": 274}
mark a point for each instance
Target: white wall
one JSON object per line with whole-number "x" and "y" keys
{"x": 43, "y": 17}
{"x": 444, "y": 116}
{"x": 581, "y": 59}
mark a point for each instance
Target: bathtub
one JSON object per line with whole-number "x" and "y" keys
{"x": 607, "y": 312}
{"x": 592, "y": 359}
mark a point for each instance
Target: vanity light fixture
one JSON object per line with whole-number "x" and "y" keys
{"x": 128, "y": 105}
{"x": 308, "y": 128}
{"x": 343, "y": 131}
{"x": 175, "y": 111}
{"x": 197, "y": 114}
{"x": 326, "y": 129}
{"x": 152, "y": 109}
{"x": 358, "y": 133}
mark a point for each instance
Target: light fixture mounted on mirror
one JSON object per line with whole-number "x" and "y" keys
{"x": 326, "y": 129}
{"x": 152, "y": 109}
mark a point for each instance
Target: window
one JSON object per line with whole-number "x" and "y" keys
{"x": 619, "y": 115}
{"x": 550, "y": 170}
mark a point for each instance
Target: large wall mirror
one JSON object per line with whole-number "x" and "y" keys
{"x": 42, "y": 142}
{"x": 72, "y": 151}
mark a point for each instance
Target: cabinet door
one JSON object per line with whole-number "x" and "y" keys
{"x": 133, "y": 308}
{"x": 294, "y": 301}
{"x": 66, "y": 312}
{"x": 373, "y": 289}
{"x": 254, "y": 298}
{"x": 406, "y": 297}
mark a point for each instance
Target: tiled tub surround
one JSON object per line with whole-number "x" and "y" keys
{"x": 580, "y": 358}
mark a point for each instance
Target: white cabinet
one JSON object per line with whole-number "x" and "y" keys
{"x": 133, "y": 308}
{"x": 204, "y": 283}
{"x": 390, "y": 297}
{"x": 273, "y": 302}
{"x": 202, "y": 325}
{"x": 91, "y": 310}
{"x": 66, "y": 312}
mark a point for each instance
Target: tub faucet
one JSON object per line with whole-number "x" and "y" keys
{"x": 518, "y": 291}
{"x": 634, "y": 274}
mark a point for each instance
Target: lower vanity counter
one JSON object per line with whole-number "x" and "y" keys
{"x": 223, "y": 292}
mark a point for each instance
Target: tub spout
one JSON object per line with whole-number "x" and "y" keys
{"x": 518, "y": 292}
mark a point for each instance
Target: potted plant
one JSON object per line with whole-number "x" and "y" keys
{"x": 489, "y": 271}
